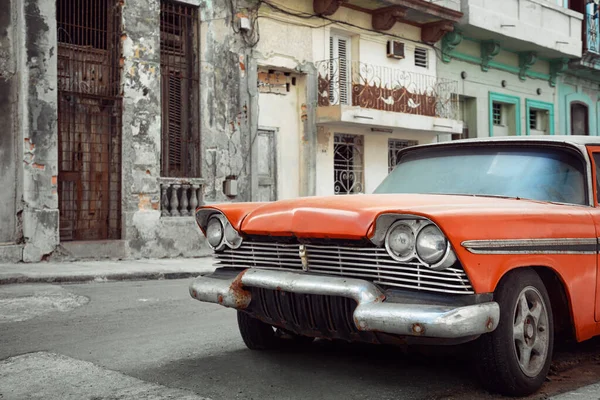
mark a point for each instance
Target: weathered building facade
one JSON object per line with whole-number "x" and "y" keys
{"x": 103, "y": 115}
{"x": 344, "y": 85}
{"x": 120, "y": 117}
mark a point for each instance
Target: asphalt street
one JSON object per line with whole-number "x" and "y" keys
{"x": 150, "y": 340}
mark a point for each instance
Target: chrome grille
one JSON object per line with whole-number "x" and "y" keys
{"x": 369, "y": 263}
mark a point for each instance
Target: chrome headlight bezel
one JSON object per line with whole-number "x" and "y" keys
{"x": 230, "y": 236}
{"x": 211, "y": 221}
{"x": 448, "y": 257}
{"x": 431, "y": 244}
{"x": 388, "y": 222}
{"x": 402, "y": 224}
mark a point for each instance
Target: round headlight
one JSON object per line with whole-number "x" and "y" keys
{"x": 400, "y": 241}
{"x": 214, "y": 232}
{"x": 431, "y": 245}
{"x": 234, "y": 240}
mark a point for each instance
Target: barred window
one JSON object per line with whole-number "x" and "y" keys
{"x": 348, "y": 166}
{"x": 497, "y": 114}
{"x": 394, "y": 148}
{"x": 533, "y": 119}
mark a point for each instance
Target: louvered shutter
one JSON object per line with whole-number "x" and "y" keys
{"x": 339, "y": 70}
{"x": 175, "y": 124}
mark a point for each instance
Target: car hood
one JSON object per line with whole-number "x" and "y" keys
{"x": 460, "y": 217}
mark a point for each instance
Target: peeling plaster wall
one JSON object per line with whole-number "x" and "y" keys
{"x": 228, "y": 97}
{"x": 229, "y": 104}
{"x": 8, "y": 122}
{"x": 140, "y": 40}
{"x": 147, "y": 233}
{"x": 37, "y": 64}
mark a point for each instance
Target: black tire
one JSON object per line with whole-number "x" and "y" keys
{"x": 256, "y": 334}
{"x": 501, "y": 366}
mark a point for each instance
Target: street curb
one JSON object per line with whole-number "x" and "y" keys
{"x": 141, "y": 276}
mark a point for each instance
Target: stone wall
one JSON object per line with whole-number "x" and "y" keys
{"x": 229, "y": 103}
{"x": 37, "y": 64}
{"x": 29, "y": 144}
{"x": 9, "y": 80}
{"x": 226, "y": 125}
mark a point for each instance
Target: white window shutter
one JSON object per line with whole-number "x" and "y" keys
{"x": 339, "y": 70}
{"x": 344, "y": 81}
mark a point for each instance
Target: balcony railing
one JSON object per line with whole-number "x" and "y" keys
{"x": 180, "y": 196}
{"x": 386, "y": 89}
{"x": 592, "y": 28}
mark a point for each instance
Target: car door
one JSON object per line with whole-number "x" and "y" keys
{"x": 594, "y": 152}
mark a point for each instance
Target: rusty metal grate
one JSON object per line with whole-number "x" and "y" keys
{"x": 179, "y": 91}
{"x": 89, "y": 119}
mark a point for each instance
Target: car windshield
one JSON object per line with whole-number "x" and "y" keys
{"x": 544, "y": 174}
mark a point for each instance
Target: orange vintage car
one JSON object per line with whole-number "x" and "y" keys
{"x": 490, "y": 240}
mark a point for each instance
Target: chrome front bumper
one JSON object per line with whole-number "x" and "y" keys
{"x": 372, "y": 313}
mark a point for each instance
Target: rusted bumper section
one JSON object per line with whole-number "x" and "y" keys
{"x": 372, "y": 313}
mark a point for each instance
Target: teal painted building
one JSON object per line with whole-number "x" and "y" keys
{"x": 579, "y": 105}
{"x": 526, "y": 68}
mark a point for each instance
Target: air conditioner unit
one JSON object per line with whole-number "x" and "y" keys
{"x": 395, "y": 49}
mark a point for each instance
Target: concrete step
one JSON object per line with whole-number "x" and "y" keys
{"x": 11, "y": 253}
{"x": 92, "y": 250}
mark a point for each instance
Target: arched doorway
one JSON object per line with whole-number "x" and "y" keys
{"x": 579, "y": 119}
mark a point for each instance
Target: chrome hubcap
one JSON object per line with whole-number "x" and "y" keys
{"x": 530, "y": 331}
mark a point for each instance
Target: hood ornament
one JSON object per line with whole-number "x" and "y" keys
{"x": 303, "y": 257}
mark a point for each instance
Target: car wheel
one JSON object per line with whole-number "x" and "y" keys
{"x": 256, "y": 334}
{"x": 514, "y": 360}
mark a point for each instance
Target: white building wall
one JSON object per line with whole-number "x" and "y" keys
{"x": 542, "y": 23}
{"x": 280, "y": 113}
{"x": 375, "y": 155}
{"x": 372, "y": 50}
{"x": 285, "y": 43}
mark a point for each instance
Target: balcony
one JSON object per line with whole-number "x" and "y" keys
{"x": 360, "y": 93}
{"x": 180, "y": 196}
{"x": 539, "y": 26}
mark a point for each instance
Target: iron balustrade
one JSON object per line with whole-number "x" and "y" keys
{"x": 387, "y": 89}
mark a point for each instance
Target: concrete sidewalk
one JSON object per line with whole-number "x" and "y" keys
{"x": 591, "y": 392}
{"x": 89, "y": 271}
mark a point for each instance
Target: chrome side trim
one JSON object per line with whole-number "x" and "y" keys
{"x": 372, "y": 313}
{"x": 533, "y": 246}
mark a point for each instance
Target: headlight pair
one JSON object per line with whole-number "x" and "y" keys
{"x": 409, "y": 239}
{"x": 220, "y": 233}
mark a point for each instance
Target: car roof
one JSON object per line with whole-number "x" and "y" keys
{"x": 577, "y": 140}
